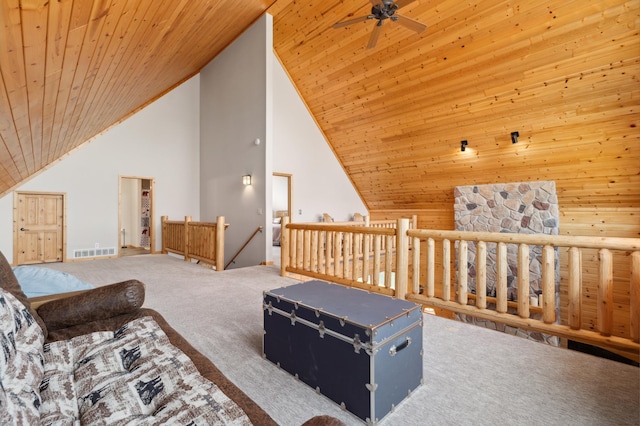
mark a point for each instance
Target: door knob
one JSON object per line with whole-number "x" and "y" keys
{"x": 23, "y": 229}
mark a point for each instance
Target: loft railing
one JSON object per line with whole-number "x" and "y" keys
{"x": 354, "y": 255}
{"x": 453, "y": 295}
{"x": 203, "y": 241}
{"x": 415, "y": 261}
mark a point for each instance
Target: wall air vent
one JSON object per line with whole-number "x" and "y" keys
{"x": 94, "y": 252}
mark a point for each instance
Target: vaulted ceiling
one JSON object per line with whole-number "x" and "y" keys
{"x": 561, "y": 73}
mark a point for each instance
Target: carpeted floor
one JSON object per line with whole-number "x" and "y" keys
{"x": 473, "y": 376}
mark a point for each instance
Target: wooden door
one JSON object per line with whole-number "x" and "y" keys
{"x": 38, "y": 227}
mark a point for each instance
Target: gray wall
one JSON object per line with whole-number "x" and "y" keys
{"x": 233, "y": 114}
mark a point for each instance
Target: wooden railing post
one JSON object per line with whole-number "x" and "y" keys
{"x": 187, "y": 219}
{"x": 605, "y": 293}
{"x": 220, "y": 243}
{"x": 431, "y": 263}
{"x": 481, "y": 275}
{"x": 164, "y": 220}
{"x": 446, "y": 270}
{"x": 548, "y": 285}
{"x": 284, "y": 246}
{"x": 463, "y": 273}
{"x": 635, "y": 296}
{"x": 523, "y": 281}
{"x": 415, "y": 286}
{"x": 575, "y": 288}
{"x": 501, "y": 278}
{"x": 402, "y": 258}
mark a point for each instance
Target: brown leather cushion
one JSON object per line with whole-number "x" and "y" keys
{"x": 93, "y": 305}
{"x": 9, "y": 282}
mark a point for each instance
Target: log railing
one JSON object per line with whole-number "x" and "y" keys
{"x": 423, "y": 268}
{"x": 452, "y": 295}
{"x": 347, "y": 253}
{"x": 203, "y": 241}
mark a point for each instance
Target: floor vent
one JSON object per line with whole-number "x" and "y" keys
{"x": 94, "y": 252}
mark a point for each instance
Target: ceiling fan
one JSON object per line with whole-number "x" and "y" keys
{"x": 383, "y": 10}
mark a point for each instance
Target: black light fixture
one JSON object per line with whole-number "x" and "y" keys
{"x": 463, "y": 145}
{"x": 514, "y": 137}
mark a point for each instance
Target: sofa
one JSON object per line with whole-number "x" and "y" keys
{"x": 98, "y": 357}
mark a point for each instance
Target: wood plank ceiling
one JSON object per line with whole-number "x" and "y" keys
{"x": 561, "y": 73}
{"x": 70, "y": 69}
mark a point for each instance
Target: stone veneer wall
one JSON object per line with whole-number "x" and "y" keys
{"x": 526, "y": 207}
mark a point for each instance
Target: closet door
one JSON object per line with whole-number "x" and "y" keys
{"x": 38, "y": 227}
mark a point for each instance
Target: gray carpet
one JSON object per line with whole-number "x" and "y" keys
{"x": 473, "y": 376}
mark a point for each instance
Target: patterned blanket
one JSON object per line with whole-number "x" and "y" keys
{"x": 131, "y": 376}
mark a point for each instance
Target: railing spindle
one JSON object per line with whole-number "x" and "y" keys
{"x": 300, "y": 249}
{"x": 548, "y": 285}
{"x": 388, "y": 261}
{"x": 463, "y": 272}
{"x": 366, "y": 256}
{"x": 481, "y": 275}
{"x": 355, "y": 268}
{"x": 284, "y": 246}
{"x": 329, "y": 253}
{"x": 575, "y": 288}
{"x": 313, "y": 266}
{"x": 635, "y": 296}
{"x": 605, "y": 293}
{"x": 337, "y": 250}
{"x": 501, "y": 278}
{"x": 446, "y": 270}
{"x": 346, "y": 254}
{"x": 431, "y": 270}
{"x": 523, "y": 281}
{"x": 377, "y": 242}
{"x": 415, "y": 277}
{"x": 307, "y": 250}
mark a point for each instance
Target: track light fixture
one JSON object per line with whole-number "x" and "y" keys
{"x": 514, "y": 137}
{"x": 463, "y": 145}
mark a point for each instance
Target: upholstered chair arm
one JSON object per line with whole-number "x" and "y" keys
{"x": 93, "y": 305}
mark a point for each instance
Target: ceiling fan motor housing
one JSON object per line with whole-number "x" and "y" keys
{"x": 384, "y": 10}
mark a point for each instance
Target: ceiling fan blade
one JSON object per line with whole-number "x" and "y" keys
{"x": 352, "y": 21}
{"x": 401, "y": 3}
{"x": 412, "y": 24}
{"x": 373, "y": 40}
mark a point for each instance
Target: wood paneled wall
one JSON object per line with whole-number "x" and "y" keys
{"x": 564, "y": 74}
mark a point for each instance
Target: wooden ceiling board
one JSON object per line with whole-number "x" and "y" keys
{"x": 70, "y": 69}
{"x": 562, "y": 73}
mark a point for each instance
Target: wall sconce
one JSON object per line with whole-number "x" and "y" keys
{"x": 246, "y": 180}
{"x": 514, "y": 137}
{"x": 463, "y": 145}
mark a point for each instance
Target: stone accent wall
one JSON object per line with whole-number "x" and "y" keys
{"x": 524, "y": 207}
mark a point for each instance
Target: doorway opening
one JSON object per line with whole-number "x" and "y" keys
{"x": 281, "y": 204}
{"x": 135, "y": 216}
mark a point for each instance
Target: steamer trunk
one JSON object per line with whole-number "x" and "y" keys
{"x": 360, "y": 349}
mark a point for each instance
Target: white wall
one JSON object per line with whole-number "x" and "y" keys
{"x": 197, "y": 142}
{"x": 234, "y": 104}
{"x": 319, "y": 183}
{"x": 159, "y": 141}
